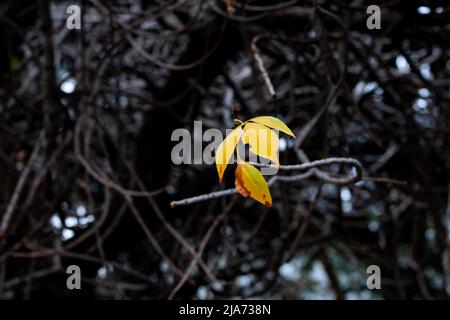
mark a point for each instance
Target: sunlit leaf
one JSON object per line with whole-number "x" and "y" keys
{"x": 226, "y": 149}
{"x": 250, "y": 183}
{"x": 263, "y": 141}
{"x": 274, "y": 123}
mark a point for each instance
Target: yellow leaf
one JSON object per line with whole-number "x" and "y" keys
{"x": 275, "y": 123}
{"x": 226, "y": 149}
{"x": 263, "y": 141}
{"x": 250, "y": 183}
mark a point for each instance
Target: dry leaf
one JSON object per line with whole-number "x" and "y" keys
{"x": 250, "y": 183}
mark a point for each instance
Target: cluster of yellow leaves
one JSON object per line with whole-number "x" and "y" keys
{"x": 263, "y": 141}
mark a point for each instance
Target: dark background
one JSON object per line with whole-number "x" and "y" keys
{"x": 86, "y": 178}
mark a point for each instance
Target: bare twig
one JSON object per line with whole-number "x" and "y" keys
{"x": 202, "y": 247}
{"x": 100, "y": 176}
{"x": 260, "y": 63}
{"x": 170, "y": 228}
{"x": 19, "y": 186}
{"x": 203, "y": 197}
{"x": 304, "y": 166}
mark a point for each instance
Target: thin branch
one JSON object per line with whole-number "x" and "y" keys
{"x": 202, "y": 247}
{"x": 312, "y": 166}
{"x": 203, "y": 197}
{"x": 100, "y": 176}
{"x": 169, "y": 227}
{"x": 19, "y": 186}
{"x": 260, "y": 63}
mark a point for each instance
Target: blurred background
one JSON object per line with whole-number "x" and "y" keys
{"x": 86, "y": 177}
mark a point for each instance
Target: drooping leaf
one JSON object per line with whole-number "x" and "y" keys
{"x": 226, "y": 149}
{"x": 250, "y": 183}
{"x": 274, "y": 123}
{"x": 263, "y": 141}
